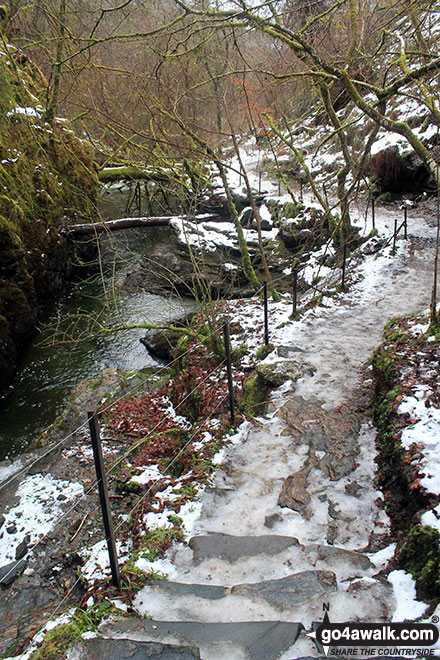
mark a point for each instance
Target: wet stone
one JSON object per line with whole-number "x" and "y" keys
{"x": 127, "y": 649}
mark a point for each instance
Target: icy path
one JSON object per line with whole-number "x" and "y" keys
{"x": 293, "y": 519}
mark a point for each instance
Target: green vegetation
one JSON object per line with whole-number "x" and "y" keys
{"x": 254, "y": 396}
{"x": 57, "y": 642}
{"x": 420, "y": 556}
{"x": 47, "y": 178}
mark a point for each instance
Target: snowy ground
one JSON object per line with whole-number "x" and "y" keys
{"x": 333, "y": 342}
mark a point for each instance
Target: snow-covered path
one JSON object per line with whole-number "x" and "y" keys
{"x": 293, "y": 519}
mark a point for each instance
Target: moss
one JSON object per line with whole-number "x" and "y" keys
{"x": 263, "y": 351}
{"x": 292, "y": 209}
{"x": 420, "y": 556}
{"x": 57, "y": 642}
{"x": 47, "y": 178}
{"x": 254, "y": 396}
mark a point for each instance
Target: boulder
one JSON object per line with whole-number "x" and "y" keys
{"x": 9, "y": 572}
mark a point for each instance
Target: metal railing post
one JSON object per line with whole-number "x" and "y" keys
{"x": 226, "y": 336}
{"x": 266, "y": 316}
{"x": 295, "y": 291}
{"x": 104, "y": 499}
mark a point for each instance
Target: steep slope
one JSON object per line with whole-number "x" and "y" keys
{"x": 47, "y": 178}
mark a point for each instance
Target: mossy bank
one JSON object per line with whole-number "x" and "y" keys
{"x": 47, "y": 179}
{"x": 403, "y": 365}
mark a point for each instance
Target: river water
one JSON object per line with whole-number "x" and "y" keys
{"x": 48, "y": 373}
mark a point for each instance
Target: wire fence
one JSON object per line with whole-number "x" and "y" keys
{"x": 216, "y": 370}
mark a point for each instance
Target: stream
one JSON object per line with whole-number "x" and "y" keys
{"x": 47, "y": 374}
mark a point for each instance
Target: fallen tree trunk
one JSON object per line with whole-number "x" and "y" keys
{"x": 133, "y": 173}
{"x": 128, "y": 223}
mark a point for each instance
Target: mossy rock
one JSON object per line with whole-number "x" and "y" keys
{"x": 292, "y": 209}
{"x": 420, "y": 556}
{"x": 254, "y": 396}
{"x": 47, "y": 178}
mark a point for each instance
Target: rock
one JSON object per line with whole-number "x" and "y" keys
{"x": 349, "y": 557}
{"x": 332, "y": 532}
{"x": 127, "y": 649}
{"x": 338, "y": 515}
{"x": 285, "y": 351}
{"x": 9, "y": 572}
{"x": 257, "y": 640}
{"x": 294, "y": 494}
{"x": 231, "y": 548}
{"x": 291, "y": 590}
{"x": 25, "y": 611}
{"x": 373, "y": 245}
{"x": 22, "y": 547}
{"x": 353, "y": 489}
{"x": 160, "y": 343}
{"x": 334, "y": 432}
{"x": 2, "y": 520}
{"x": 11, "y": 529}
{"x": 276, "y": 373}
{"x": 272, "y": 520}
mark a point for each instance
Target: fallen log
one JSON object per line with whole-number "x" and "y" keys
{"x": 133, "y": 173}
{"x": 128, "y": 223}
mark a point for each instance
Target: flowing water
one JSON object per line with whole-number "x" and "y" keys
{"x": 48, "y": 373}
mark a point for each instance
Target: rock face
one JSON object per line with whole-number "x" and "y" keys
{"x": 127, "y": 649}
{"x": 49, "y": 179}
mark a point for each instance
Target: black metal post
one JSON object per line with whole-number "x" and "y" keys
{"x": 226, "y": 335}
{"x": 405, "y": 220}
{"x": 295, "y": 291}
{"x": 266, "y": 316}
{"x": 301, "y": 189}
{"x": 259, "y": 182}
{"x": 395, "y": 235}
{"x": 104, "y": 499}
{"x": 344, "y": 261}
{"x": 373, "y": 211}
{"x": 279, "y": 188}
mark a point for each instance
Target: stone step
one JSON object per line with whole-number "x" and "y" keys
{"x": 228, "y": 560}
{"x": 230, "y": 548}
{"x": 269, "y": 599}
{"x": 264, "y": 640}
{"x": 127, "y": 649}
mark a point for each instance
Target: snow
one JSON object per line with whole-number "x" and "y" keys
{"x": 41, "y": 499}
{"x": 28, "y": 111}
{"x": 408, "y": 608}
{"x": 97, "y": 564}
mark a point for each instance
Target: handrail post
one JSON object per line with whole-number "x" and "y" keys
{"x": 226, "y": 336}
{"x": 266, "y": 316}
{"x": 103, "y": 497}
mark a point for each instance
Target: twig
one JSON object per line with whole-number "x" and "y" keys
{"x": 79, "y": 528}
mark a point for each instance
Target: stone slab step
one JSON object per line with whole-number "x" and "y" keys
{"x": 101, "y": 648}
{"x": 230, "y": 548}
{"x": 249, "y": 601}
{"x": 219, "y": 558}
{"x": 265, "y": 640}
